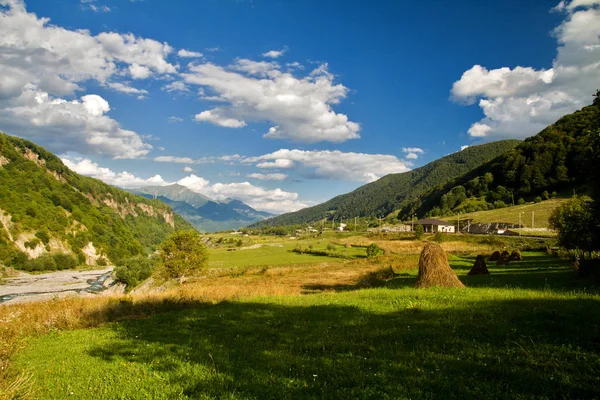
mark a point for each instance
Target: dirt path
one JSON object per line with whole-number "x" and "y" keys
{"x": 27, "y": 287}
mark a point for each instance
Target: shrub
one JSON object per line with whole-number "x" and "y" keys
{"x": 64, "y": 261}
{"x": 538, "y": 199}
{"x": 183, "y": 254}
{"x": 372, "y": 250}
{"x": 419, "y": 231}
{"x": 135, "y": 270}
{"x": 576, "y": 225}
{"x": 438, "y": 237}
{"x": 521, "y": 201}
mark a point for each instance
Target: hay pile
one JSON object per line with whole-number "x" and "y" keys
{"x": 515, "y": 256}
{"x": 495, "y": 256}
{"x": 504, "y": 258}
{"x": 434, "y": 269}
{"x": 479, "y": 268}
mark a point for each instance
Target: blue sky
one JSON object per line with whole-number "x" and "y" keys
{"x": 143, "y": 92}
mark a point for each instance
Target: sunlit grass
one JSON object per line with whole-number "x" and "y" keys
{"x": 528, "y": 330}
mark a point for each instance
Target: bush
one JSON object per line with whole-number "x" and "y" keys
{"x": 419, "y": 231}
{"x": 372, "y": 250}
{"x": 135, "y": 270}
{"x": 576, "y": 225}
{"x": 521, "y": 201}
{"x": 43, "y": 263}
{"x": 538, "y": 199}
{"x": 438, "y": 237}
{"x": 183, "y": 254}
{"x": 64, "y": 261}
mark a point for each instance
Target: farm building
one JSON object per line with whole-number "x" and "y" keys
{"x": 432, "y": 225}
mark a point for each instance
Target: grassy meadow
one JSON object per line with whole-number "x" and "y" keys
{"x": 510, "y": 215}
{"x": 263, "y": 324}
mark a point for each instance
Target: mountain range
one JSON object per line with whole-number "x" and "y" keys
{"x": 205, "y": 214}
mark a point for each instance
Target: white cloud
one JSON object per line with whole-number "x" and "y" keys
{"x": 42, "y": 66}
{"x": 278, "y": 163}
{"x": 175, "y": 119}
{"x": 300, "y": 109}
{"x": 124, "y": 88}
{"x": 464, "y": 147}
{"x": 274, "y": 53}
{"x": 173, "y": 159}
{"x": 175, "y": 86}
{"x": 188, "y": 54}
{"x": 521, "y": 101}
{"x": 187, "y": 169}
{"x": 78, "y": 125}
{"x": 276, "y": 200}
{"x": 412, "y": 153}
{"x": 123, "y": 179}
{"x": 268, "y": 177}
{"x": 335, "y": 164}
{"x": 91, "y": 4}
{"x": 216, "y": 118}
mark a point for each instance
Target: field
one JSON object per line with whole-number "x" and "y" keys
{"x": 510, "y": 215}
{"x": 326, "y": 327}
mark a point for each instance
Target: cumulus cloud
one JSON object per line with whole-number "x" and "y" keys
{"x": 300, "y": 109}
{"x": 123, "y": 179}
{"x": 42, "y": 66}
{"x": 464, "y": 147}
{"x": 187, "y": 169}
{"x": 335, "y": 164}
{"x": 412, "y": 153}
{"x": 188, "y": 54}
{"x": 268, "y": 177}
{"x": 274, "y": 53}
{"x": 519, "y": 102}
{"x": 77, "y": 125}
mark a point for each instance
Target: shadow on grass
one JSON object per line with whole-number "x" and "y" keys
{"x": 489, "y": 349}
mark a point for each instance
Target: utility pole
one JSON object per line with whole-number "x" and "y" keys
{"x": 520, "y": 223}
{"x": 468, "y": 226}
{"x": 354, "y": 224}
{"x": 333, "y": 224}
{"x": 458, "y": 230}
{"x": 533, "y": 219}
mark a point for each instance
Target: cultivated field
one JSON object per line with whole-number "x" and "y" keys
{"x": 282, "y": 320}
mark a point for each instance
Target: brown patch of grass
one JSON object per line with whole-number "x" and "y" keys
{"x": 434, "y": 269}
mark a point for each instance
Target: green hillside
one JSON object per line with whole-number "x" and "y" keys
{"x": 557, "y": 159}
{"x": 45, "y": 208}
{"x": 396, "y": 191}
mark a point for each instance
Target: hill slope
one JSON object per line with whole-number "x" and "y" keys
{"x": 395, "y": 191}
{"x": 202, "y": 212}
{"x": 559, "y": 158}
{"x": 47, "y": 208}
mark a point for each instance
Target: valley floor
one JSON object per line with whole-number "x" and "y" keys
{"x": 330, "y": 329}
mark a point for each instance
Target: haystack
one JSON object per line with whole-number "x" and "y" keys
{"x": 515, "y": 256}
{"x": 495, "y": 256}
{"x": 479, "y": 268}
{"x": 434, "y": 269}
{"x": 504, "y": 258}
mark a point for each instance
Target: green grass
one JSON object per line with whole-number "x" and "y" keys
{"x": 510, "y": 215}
{"x": 277, "y": 254}
{"x": 529, "y": 330}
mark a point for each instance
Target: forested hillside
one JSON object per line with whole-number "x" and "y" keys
{"x": 558, "y": 159}
{"x": 396, "y": 191}
{"x": 49, "y": 214}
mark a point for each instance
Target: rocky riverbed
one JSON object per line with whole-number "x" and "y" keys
{"x": 28, "y": 287}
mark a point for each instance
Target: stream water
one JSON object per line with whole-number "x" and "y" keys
{"x": 54, "y": 284}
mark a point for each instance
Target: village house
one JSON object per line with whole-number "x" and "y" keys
{"x": 432, "y": 225}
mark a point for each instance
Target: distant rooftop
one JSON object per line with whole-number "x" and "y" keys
{"x": 432, "y": 221}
